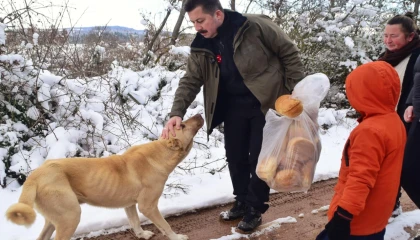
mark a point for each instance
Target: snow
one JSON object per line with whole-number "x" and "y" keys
{"x": 2, "y": 33}
{"x": 143, "y": 22}
{"x": 205, "y": 186}
{"x": 406, "y": 219}
{"x": 267, "y": 227}
{"x": 321, "y": 209}
{"x": 35, "y": 37}
{"x": 182, "y": 50}
{"x": 350, "y": 64}
{"x": 349, "y": 42}
{"x": 33, "y": 113}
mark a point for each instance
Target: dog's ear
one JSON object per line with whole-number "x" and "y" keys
{"x": 174, "y": 144}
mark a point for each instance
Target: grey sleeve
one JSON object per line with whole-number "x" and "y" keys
{"x": 409, "y": 101}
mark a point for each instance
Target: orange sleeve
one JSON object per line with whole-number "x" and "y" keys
{"x": 366, "y": 153}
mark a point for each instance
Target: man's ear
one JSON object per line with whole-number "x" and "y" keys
{"x": 174, "y": 144}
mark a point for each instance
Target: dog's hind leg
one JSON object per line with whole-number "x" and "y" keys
{"x": 47, "y": 231}
{"x": 148, "y": 206}
{"x": 66, "y": 226}
{"x": 62, "y": 209}
{"x": 133, "y": 219}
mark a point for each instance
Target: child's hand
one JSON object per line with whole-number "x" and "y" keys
{"x": 338, "y": 228}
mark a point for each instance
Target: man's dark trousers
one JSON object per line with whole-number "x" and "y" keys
{"x": 243, "y": 129}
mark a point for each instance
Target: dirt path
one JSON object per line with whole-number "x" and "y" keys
{"x": 204, "y": 224}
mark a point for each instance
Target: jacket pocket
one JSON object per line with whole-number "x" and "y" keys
{"x": 346, "y": 153}
{"x": 251, "y": 59}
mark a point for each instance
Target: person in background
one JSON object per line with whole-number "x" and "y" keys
{"x": 372, "y": 157}
{"x": 245, "y": 62}
{"x": 401, "y": 38}
{"x": 410, "y": 180}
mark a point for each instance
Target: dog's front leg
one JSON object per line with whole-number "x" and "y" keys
{"x": 133, "y": 219}
{"x": 152, "y": 213}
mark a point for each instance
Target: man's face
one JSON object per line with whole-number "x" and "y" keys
{"x": 205, "y": 23}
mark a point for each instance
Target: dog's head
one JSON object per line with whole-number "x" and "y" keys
{"x": 184, "y": 136}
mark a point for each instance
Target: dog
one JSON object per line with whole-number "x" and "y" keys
{"x": 138, "y": 176}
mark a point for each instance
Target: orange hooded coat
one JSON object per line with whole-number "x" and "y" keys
{"x": 371, "y": 164}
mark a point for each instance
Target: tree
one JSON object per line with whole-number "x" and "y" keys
{"x": 232, "y": 4}
{"x": 175, "y": 32}
{"x": 157, "y": 33}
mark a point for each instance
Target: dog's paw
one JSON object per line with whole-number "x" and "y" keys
{"x": 145, "y": 234}
{"x": 181, "y": 237}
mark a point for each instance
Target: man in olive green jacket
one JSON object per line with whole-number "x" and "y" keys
{"x": 244, "y": 62}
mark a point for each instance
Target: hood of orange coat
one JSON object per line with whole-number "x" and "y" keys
{"x": 373, "y": 88}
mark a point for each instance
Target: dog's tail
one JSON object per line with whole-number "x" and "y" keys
{"x": 22, "y": 213}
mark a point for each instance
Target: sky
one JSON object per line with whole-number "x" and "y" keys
{"x": 204, "y": 189}
{"x": 86, "y": 13}
{"x": 122, "y": 13}
{"x": 115, "y": 13}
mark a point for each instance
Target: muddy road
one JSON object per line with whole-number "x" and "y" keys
{"x": 204, "y": 224}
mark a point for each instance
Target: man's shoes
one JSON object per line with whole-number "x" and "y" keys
{"x": 251, "y": 220}
{"x": 238, "y": 210}
{"x": 417, "y": 237}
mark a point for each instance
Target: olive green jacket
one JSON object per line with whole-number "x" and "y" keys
{"x": 265, "y": 56}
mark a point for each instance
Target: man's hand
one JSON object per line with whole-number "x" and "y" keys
{"x": 174, "y": 121}
{"x": 338, "y": 228}
{"x": 408, "y": 114}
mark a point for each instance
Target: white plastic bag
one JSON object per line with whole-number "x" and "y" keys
{"x": 291, "y": 146}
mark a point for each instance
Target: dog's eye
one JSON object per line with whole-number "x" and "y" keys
{"x": 182, "y": 125}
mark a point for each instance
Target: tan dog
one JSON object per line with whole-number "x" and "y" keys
{"x": 58, "y": 187}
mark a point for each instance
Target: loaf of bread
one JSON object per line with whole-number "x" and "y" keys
{"x": 308, "y": 174}
{"x": 297, "y": 129}
{"x": 288, "y": 106}
{"x": 318, "y": 147}
{"x": 292, "y": 168}
{"x": 267, "y": 168}
{"x": 296, "y": 171}
{"x": 300, "y": 150}
{"x": 287, "y": 180}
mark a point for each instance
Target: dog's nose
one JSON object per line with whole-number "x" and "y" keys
{"x": 198, "y": 116}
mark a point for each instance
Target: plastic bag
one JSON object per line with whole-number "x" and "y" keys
{"x": 291, "y": 146}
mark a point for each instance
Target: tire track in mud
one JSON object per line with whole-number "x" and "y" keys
{"x": 204, "y": 224}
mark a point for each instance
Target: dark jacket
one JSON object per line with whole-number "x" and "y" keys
{"x": 407, "y": 85}
{"x": 414, "y": 97}
{"x": 264, "y": 55}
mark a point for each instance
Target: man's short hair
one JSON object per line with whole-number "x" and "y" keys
{"x": 208, "y": 6}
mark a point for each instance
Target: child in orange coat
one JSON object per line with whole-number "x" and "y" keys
{"x": 371, "y": 164}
